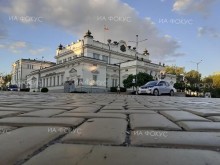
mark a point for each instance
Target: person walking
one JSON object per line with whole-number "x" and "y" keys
{"x": 118, "y": 89}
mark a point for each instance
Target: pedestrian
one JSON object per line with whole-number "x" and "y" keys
{"x": 118, "y": 89}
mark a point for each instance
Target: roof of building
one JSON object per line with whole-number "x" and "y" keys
{"x": 34, "y": 60}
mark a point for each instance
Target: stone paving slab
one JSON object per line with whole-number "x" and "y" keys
{"x": 20, "y": 143}
{"x": 204, "y": 112}
{"x": 8, "y": 113}
{"x": 20, "y": 109}
{"x": 43, "y": 113}
{"x": 163, "y": 109}
{"x": 176, "y": 116}
{"x": 32, "y": 121}
{"x": 84, "y": 109}
{"x": 200, "y": 126}
{"x": 214, "y": 118}
{"x": 109, "y": 107}
{"x": 127, "y": 111}
{"x": 181, "y": 139}
{"x": 151, "y": 121}
{"x": 6, "y": 129}
{"x": 48, "y": 107}
{"x": 99, "y": 131}
{"x": 70, "y": 154}
{"x": 92, "y": 115}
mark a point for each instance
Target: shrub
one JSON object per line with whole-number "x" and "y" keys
{"x": 44, "y": 90}
{"x": 25, "y": 90}
{"x": 114, "y": 89}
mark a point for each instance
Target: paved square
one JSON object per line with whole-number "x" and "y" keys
{"x": 108, "y": 129}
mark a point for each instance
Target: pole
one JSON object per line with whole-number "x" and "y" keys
{"x": 137, "y": 42}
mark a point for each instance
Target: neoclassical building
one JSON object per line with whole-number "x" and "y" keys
{"x": 23, "y": 67}
{"x": 93, "y": 66}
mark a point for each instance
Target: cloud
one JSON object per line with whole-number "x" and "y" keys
{"x": 191, "y": 6}
{"x": 14, "y": 47}
{"x": 18, "y": 47}
{"x": 37, "y": 51}
{"x": 208, "y": 31}
{"x": 76, "y": 17}
{"x": 3, "y": 30}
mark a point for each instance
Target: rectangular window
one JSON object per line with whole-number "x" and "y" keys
{"x": 44, "y": 82}
{"x": 95, "y": 79}
{"x": 96, "y": 56}
{"x": 106, "y": 82}
{"x": 61, "y": 79}
{"x": 105, "y": 58}
{"x": 47, "y": 82}
{"x": 114, "y": 82}
{"x": 58, "y": 80}
{"x": 54, "y": 81}
{"x": 50, "y": 81}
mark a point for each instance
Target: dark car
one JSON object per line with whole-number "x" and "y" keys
{"x": 13, "y": 88}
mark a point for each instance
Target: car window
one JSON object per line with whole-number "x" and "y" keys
{"x": 162, "y": 83}
{"x": 167, "y": 84}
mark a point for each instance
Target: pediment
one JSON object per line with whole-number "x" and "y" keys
{"x": 72, "y": 70}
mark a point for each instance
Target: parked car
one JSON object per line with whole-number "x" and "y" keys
{"x": 157, "y": 88}
{"x": 13, "y": 88}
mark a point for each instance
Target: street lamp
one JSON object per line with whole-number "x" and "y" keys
{"x": 197, "y": 68}
{"x": 137, "y": 42}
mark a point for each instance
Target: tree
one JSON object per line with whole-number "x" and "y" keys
{"x": 193, "y": 77}
{"x": 174, "y": 70}
{"x": 178, "y": 71}
{"x": 128, "y": 81}
{"x": 6, "y": 79}
{"x": 142, "y": 78}
{"x": 216, "y": 80}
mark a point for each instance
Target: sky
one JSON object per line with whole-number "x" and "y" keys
{"x": 178, "y": 32}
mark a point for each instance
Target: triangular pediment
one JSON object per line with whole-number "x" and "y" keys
{"x": 72, "y": 70}
{"x": 34, "y": 78}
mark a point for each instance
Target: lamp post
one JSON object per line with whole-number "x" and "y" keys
{"x": 137, "y": 42}
{"x": 197, "y": 68}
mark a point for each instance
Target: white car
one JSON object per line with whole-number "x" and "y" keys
{"x": 157, "y": 88}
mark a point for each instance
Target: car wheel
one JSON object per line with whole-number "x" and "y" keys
{"x": 156, "y": 92}
{"x": 171, "y": 93}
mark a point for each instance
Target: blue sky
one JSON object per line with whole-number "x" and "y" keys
{"x": 178, "y": 31}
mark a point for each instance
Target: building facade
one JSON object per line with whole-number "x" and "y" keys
{"x": 92, "y": 66}
{"x": 23, "y": 67}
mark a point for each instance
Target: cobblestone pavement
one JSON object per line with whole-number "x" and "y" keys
{"x": 108, "y": 129}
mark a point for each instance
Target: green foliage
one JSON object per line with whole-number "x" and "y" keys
{"x": 216, "y": 80}
{"x": 179, "y": 86}
{"x": 142, "y": 78}
{"x": 44, "y": 90}
{"x": 128, "y": 82}
{"x": 215, "y": 93}
{"x": 193, "y": 77}
{"x": 25, "y": 90}
{"x": 174, "y": 70}
{"x": 6, "y": 79}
